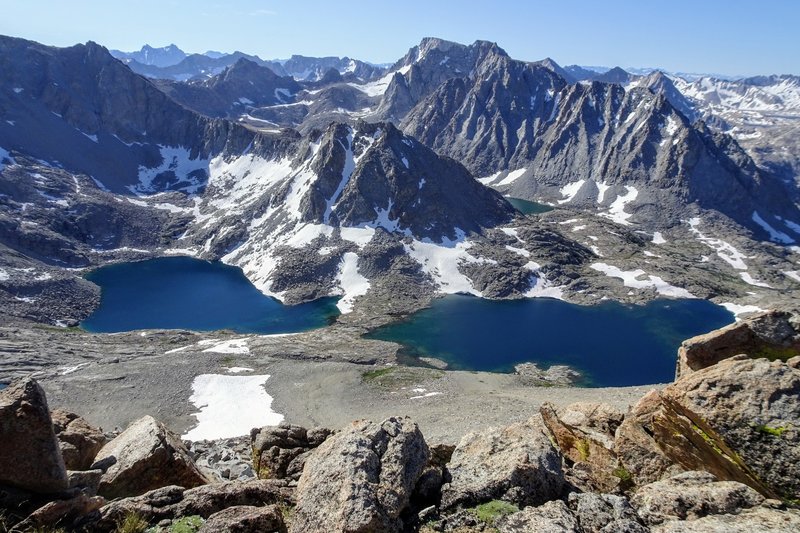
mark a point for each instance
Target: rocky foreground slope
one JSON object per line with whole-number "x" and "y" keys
{"x": 717, "y": 450}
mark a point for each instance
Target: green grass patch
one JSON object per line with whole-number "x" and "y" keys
{"x": 132, "y": 523}
{"x": 187, "y": 524}
{"x": 392, "y": 377}
{"x": 492, "y": 511}
{"x": 767, "y": 430}
{"x": 774, "y": 353}
{"x": 582, "y": 445}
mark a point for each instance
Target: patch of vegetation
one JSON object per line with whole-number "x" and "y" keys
{"x": 706, "y": 437}
{"x": 582, "y": 445}
{"x": 774, "y": 353}
{"x": 187, "y": 524}
{"x": 132, "y": 523}
{"x": 490, "y": 512}
{"x": 228, "y": 360}
{"x": 624, "y": 476}
{"x": 287, "y": 512}
{"x": 767, "y": 430}
{"x": 392, "y": 377}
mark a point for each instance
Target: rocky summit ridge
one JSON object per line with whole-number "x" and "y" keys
{"x": 716, "y": 450}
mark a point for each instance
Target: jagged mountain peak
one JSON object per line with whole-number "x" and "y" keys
{"x": 165, "y": 56}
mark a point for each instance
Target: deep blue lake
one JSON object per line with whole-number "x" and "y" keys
{"x": 611, "y": 344}
{"x": 187, "y": 293}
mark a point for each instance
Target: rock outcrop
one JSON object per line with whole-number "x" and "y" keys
{"x": 168, "y": 503}
{"x": 587, "y": 442}
{"x": 739, "y": 420}
{"x": 30, "y": 458}
{"x": 692, "y": 495}
{"x": 773, "y": 335}
{"x": 516, "y": 463}
{"x": 552, "y": 517}
{"x": 281, "y": 451}
{"x": 245, "y": 519}
{"x": 604, "y": 513}
{"x": 361, "y": 478}
{"x": 146, "y": 456}
{"x": 79, "y": 441}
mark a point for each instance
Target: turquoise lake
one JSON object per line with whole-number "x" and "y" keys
{"x": 611, "y": 344}
{"x": 187, "y": 293}
{"x": 526, "y": 207}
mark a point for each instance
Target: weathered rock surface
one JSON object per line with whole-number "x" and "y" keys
{"x": 361, "y": 478}
{"x": 61, "y": 513}
{"x": 79, "y": 441}
{"x": 739, "y": 420}
{"x": 641, "y": 457}
{"x": 604, "y": 513}
{"x": 171, "y": 502}
{"x": 224, "y": 459}
{"x": 552, "y": 517}
{"x": 516, "y": 463}
{"x": 245, "y": 519}
{"x": 584, "y": 444}
{"x": 30, "y": 457}
{"x": 756, "y": 520}
{"x": 87, "y": 481}
{"x": 147, "y": 456}
{"x": 774, "y": 335}
{"x": 692, "y": 495}
{"x": 281, "y": 451}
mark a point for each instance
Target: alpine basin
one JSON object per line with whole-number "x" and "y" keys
{"x": 188, "y": 293}
{"x": 611, "y": 344}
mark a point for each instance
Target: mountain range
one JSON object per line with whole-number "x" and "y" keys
{"x": 326, "y": 176}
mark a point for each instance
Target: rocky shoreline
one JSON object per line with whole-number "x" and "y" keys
{"x": 717, "y": 450}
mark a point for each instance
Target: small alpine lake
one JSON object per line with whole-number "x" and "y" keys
{"x": 526, "y": 207}
{"x": 611, "y": 344}
{"x": 188, "y": 293}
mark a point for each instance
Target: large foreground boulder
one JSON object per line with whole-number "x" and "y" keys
{"x": 144, "y": 457}
{"x": 763, "y": 519}
{"x": 552, "y": 517}
{"x": 516, "y": 463}
{"x": 30, "y": 457}
{"x": 361, "y": 479}
{"x": 772, "y": 335}
{"x": 738, "y": 419}
{"x": 79, "y": 441}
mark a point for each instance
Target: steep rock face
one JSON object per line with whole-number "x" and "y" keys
{"x": 240, "y": 87}
{"x": 425, "y": 67}
{"x": 629, "y": 153}
{"x": 81, "y": 109}
{"x": 361, "y": 479}
{"x": 158, "y": 57}
{"x": 316, "y": 68}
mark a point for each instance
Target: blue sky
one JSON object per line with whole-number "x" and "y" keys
{"x": 722, "y": 36}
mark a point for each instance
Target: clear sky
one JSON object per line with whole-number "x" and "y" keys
{"x": 718, "y": 36}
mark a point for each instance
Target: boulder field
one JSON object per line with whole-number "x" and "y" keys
{"x": 716, "y": 450}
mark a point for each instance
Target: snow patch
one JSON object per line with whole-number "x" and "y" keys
{"x": 631, "y": 279}
{"x": 774, "y": 235}
{"x": 570, "y": 190}
{"x": 616, "y": 211}
{"x": 353, "y": 284}
{"x": 739, "y": 310}
{"x": 658, "y": 238}
{"x": 230, "y": 346}
{"x": 512, "y": 176}
{"x": 238, "y": 369}
{"x": 219, "y": 397}
{"x": 724, "y": 250}
{"x": 175, "y": 159}
{"x": 751, "y": 281}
